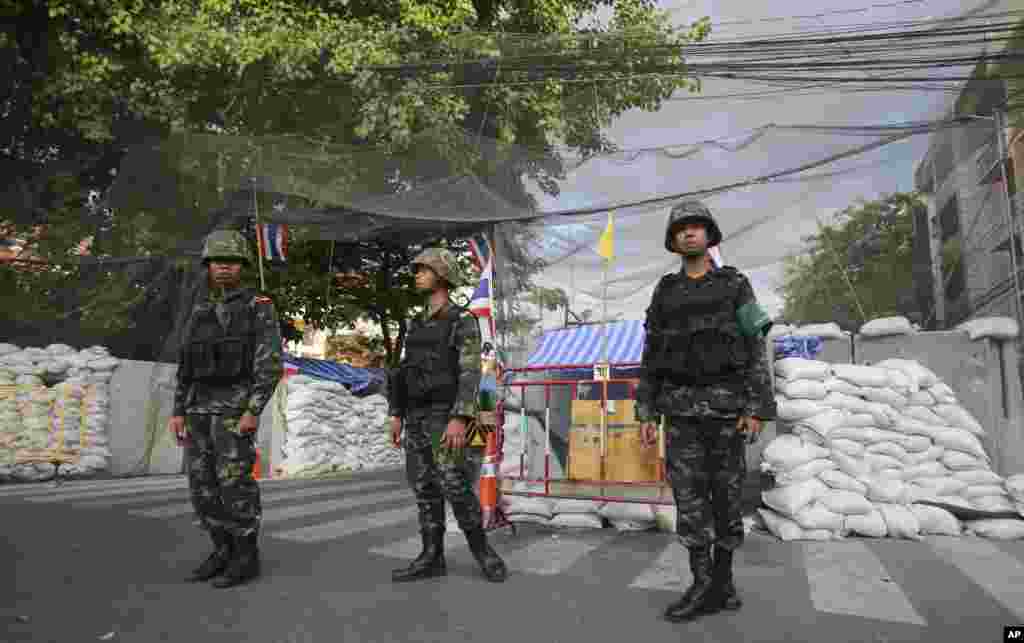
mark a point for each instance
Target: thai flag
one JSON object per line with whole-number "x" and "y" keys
{"x": 273, "y": 241}
{"x": 716, "y": 257}
{"x": 480, "y": 247}
{"x": 480, "y": 302}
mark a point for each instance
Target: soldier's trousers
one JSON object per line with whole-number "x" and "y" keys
{"x": 219, "y": 462}
{"x": 436, "y": 477}
{"x": 706, "y": 466}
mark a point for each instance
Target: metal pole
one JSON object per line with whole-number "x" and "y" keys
{"x": 1010, "y": 218}
{"x": 259, "y": 234}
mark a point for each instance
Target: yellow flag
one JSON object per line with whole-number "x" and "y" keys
{"x": 605, "y": 247}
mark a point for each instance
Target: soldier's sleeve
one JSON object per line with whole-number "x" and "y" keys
{"x": 396, "y": 390}
{"x": 467, "y": 340}
{"x": 182, "y": 383}
{"x": 649, "y": 387}
{"x": 760, "y": 399}
{"x": 268, "y": 360}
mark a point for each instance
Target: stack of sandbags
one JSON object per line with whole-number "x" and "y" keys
{"x": 629, "y": 516}
{"x": 1015, "y": 489}
{"x": 869, "y": 445}
{"x": 513, "y": 447}
{"x": 888, "y": 327}
{"x": 554, "y": 512}
{"x": 327, "y": 426}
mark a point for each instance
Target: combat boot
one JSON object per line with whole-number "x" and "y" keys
{"x": 429, "y": 564}
{"x": 492, "y": 566}
{"x": 724, "y": 592}
{"x": 244, "y": 565}
{"x": 217, "y": 562}
{"x": 694, "y": 601}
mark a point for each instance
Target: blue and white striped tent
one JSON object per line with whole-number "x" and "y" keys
{"x": 581, "y": 347}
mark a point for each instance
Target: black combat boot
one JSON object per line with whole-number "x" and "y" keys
{"x": 217, "y": 562}
{"x": 694, "y": 601}
{"x": 429, "y": 564}
{"x": 490, "y": 563}
{"x": 244, "y": 565}
{"x": 724, "y": 592}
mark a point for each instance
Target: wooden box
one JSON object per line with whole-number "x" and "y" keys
{"x": 626, "y": 459}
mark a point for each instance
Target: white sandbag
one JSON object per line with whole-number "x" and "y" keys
{"x": 994, "y": 504}
{"x": 870, "y": 525}
{"x": 941, "y": 486}
{"x": 990, "y": 327}
{"x": 824, "y": 423}
{"x": 781, "y": 527}
{"x": 933, "y": 453}
{"x": 979, "y": 490}
{"x": 829, "y": 330}
{"x": 933, "y": 469}
{"x": 960, "y": 440}
{"x": 864, "y": 435}
{"x": 913, "y": 427}
{"x": 817, "y": 516}
{"x": 840, "y": 481}
{"x": 790, "y": 499}
{"x": 633, "y": 525}
{"x": 898, "y": 381}
{"x": 891, "y": 449}
{"x": 844, "y": 402}
{"x": 885, "y": 396}
{"x": 922, "y": 398}
{"x": 802, "y": 389}
{"x": 922, "y": 414}
{"x": 936, "y": 521}
{"x": 577, "y": 521}
{"x": 886, "y": 490}
{"x": 864, "y": 376}
{"x": 809, "y": 436}
{"x": 787, "y": 452}
{"x": 859, "y": 421}
{"x": 916, "y": 444}
{"x": 780, "y": 330}
{"x": 627, "y": 511}
{"x": 574, "y": 506}
{"x": 805, "y": 471}
{"x": 914, "y": 370}
{"x": 528, "y": 518}
{"x": 996, "y": 529}
{"x": 849, "y": 447}
{"x": 900, "y": 522}
{"x": 980, "y": 477}
{"x": 529, "y": 505}
{"x": 844, "y": 502}
{"x": 887, "y": 326}
{"x": 794, "y": 410}
{"x": 960, "y": 461}
{"x": 855, "y": 467}
{"x": 942, "y": 393}
{"x": 836, "y": 385}
{"x": 1015, "y": 486}
{"x": 798, "y": 368}
{"x": 878, "y": 461}
{"x": 958, "y": 416}
{"x": 8, "y": 349}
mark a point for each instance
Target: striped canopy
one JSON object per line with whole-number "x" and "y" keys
{"x": 582, "y": 345}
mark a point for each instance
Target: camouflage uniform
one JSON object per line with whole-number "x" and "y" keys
{"x": 438, "y": 380}
{"x": 229, "y": 364}
{"x": 702, "y": 372}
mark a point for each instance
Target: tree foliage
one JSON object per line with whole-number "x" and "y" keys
{"x": 856, "y": 269}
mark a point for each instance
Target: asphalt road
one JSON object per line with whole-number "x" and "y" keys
{"x": 105, "y": 561}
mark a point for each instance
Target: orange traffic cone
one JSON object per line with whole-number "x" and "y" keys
{"x": 489, "y": 480}
{"x": 257, "y": 466}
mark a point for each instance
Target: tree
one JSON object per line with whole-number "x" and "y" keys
{"x": 857, "y": 269}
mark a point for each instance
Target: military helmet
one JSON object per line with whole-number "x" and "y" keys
{"x": 691, "y": 211}
{"x": 228, "y": 245}
{"x": 441, "y": 262}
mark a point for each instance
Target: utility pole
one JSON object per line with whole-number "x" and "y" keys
{"x": 1011, "y": 218}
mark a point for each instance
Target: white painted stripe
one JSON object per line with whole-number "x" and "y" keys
{"x": 279, "y": 514}
{"x": 284, "y": 494}
{"x": 108, "y": 493}
{"x": 555, "y": 553}
{"x": 998, "y": 573}
{"x": 847, "y": 578}
{"x": 669, "y": 572}
{"x": 96, "y": 485}
{"x": 347, "y": 526}
{"x": 185, "y": 509}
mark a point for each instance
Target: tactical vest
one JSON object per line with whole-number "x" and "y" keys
{"x": 215, "y": 354}
{"x": 694, "y": 332}
{"x": 429, "y": 370}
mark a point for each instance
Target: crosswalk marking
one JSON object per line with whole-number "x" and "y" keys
{"x": 556, "y": 553}
{"x": 94, "y": 485}
{"x": 848, "y": 578}
{"x": 668, "y": 572}
{"x": 106, "y": 493}
{"x": 347, "y": 526}
{"x": 998, "y": 573}
{"x": 184, "y": 509}
{"x": 279, "y": 514}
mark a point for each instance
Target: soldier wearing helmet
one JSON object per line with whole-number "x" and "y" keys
{"x": 704, "y": 369}
{"x": 229, "y": 363}
{"x": 432, "y": 399}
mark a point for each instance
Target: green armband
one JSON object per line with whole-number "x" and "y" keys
{"x": 753, "y": 320}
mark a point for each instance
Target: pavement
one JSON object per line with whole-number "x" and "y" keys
{"x": 104, "y": 560}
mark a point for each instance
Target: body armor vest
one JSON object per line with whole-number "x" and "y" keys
{"x": 217, "y": 354}
{"x": 695, "y": 336}
{"x": 429, "y": 370}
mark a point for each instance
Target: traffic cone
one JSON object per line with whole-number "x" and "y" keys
{"x": 257, "y": 466}
{"x": 489, "y": 480}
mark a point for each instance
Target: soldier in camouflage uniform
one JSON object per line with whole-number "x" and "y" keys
{"x": 432, "y": 398}
{"x": 229, "y": 364}
{"x": 704, "y": 368}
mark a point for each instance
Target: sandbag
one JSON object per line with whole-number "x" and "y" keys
{"x": 790, "y": 499}
{"x": 936, "y": 521}
{"x": 779, "y": 526}
{"x": 942, "y": 393}
{"x": 838, "y": 480}
{"x": 859, "y": 420}
{"x": 925, "y": 470}
{"x": 573, "y": 506}
{"x": 529, "y": 518}
{"x": 798, "y": 368}
{"x": 886, "y": 490}
{"x": 915, "y": 371}
{"x": 829, "y": 330}
{"x": 916, "y": 444}
{"x": 885, "y": 396}
{"x": 854, "y": 467}
{"x": 979, "y": 476}
{"x": 1015, "y": 486}
{"x": 933, "y": 453}
{"x": 978, "y": 490}
{"x": 994, "y": 504}
{"x": 848, "y": 403}
{"x": 805, "y": 471}
{"x": 1003, "y": 328}
{"x": 888, "y": 448}
{"x": 944, "y": 486}
{"x": 803, "y": 389}
{"x": 955, "y": 415}
{"x": 900, "y": 522}
{"x": 887, "y": 326}
{"x": 577, "y": 520}
{"x": 960, "y": 461}
{"x": 996, "y": 529}
{"x": 809, "y": 436}
{"x": 844, "y": 502}
{"x": 824, "y": 423}
{"x": 923, "y": 414}
{"x": 796, "y": 410}
{"x": 849, "y": 447}
{"x": 879, "y": 461}
{"x": 787, "y": 452}
{"x": 633, "y": 525}
{"x": 859, "y": 375}
{"x": 627, "y": 511}
{"x": 864, "y": 435}
{"x": 922, "y": 398}
{"x": 529, "y": 505}
{"x": 870, "y": 525}
{"x": 836, "y": 385}
{"x": 960, "y": 440}
{"x": 818, "y": 516}
{"x": 900, "y": 382}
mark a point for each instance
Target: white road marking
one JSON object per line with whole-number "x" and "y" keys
{"x": 998, "y": 573}
{"x": 347, "y": 526}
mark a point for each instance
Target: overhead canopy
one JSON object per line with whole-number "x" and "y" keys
{"x": 582, "y": 346}
{"x": 361, "y": 381}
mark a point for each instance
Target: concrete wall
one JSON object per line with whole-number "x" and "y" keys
{"x": 141, "y": 397}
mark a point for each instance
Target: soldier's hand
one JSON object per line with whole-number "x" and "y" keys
{"x": 751, "y": 426}
{"x": 176, "y": 427}
{"x": 249, "y": 423}
{"x": 648, "y": 434}
{"x": 396, "y": 432}
{"x": 455, "y": 435}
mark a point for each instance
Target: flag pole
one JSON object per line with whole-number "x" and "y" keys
{"x": 259, "y": 234}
